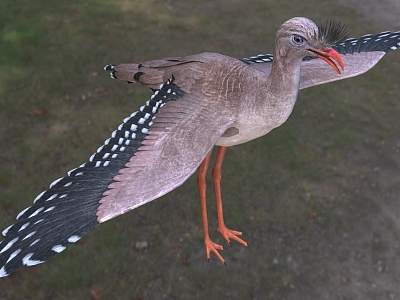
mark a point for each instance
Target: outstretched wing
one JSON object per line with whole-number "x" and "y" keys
{"x": 359, "y": 55}
{"x": 153, "y": 151}
{"x": 181, "y": 135}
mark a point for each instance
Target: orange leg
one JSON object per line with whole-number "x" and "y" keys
{"x": 202, "y": 185}
{"x": 217, "y": 175}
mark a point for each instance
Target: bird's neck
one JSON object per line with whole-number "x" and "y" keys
{"x": 282, "y": 89}
{"x": 285, "y": 74}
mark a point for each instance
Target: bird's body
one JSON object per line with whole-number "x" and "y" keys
{"x": 260, "y": 109}
{"x": 243, "y": 106}
{"x": 199, "y": 101}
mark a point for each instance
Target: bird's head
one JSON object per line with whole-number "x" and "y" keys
{"x": 300, "y": 37}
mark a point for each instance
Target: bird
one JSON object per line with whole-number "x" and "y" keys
{"x": 198, "y": 102}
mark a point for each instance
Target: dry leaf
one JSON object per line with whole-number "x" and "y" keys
{"x": 38, "y": 111}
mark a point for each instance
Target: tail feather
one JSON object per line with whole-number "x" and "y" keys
{"x": 109, "y": 67}
{"x": 156, "y": 72}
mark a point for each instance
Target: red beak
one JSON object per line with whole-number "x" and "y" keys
{"x": 327, "y": 54}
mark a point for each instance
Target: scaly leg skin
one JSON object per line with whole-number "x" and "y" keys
{"x": 202, "y": 185}
{"x": 217, "y": 175}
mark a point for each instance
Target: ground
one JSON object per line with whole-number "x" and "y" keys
{"x": 317, "y": 198}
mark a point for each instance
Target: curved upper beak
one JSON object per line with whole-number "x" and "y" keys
{"x": 329, "y": 54}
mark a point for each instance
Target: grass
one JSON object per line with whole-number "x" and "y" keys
{"x": 57, "y": 107}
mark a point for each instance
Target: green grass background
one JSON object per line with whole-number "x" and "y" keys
{"x": 57, "y": 107}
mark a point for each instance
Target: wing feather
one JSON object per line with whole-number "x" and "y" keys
{"x": 316, "y": 71}
{"x": 67, "y": 211}
{"x": 170, "y": 154}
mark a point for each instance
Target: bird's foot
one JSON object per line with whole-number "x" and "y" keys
{"x": 213, "y": 247}
{"x": 229, "y": 234}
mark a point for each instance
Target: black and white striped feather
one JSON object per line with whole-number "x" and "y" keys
{"x": 67, "y": 211}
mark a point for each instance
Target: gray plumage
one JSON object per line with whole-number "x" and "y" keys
{"x": 199, "y": 101}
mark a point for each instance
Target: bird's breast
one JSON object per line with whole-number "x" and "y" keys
{"x": 256, "y": 118}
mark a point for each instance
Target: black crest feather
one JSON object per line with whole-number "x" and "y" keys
{"x": 331, "y": 33}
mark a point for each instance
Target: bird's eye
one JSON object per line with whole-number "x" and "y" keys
{"x": 296, "y": 39}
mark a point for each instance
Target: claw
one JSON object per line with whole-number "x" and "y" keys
{"x": 213, "y": 247}
{"x": 229, "y": 234}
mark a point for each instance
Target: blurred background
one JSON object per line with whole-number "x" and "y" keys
{"x": 317, "y": 198}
